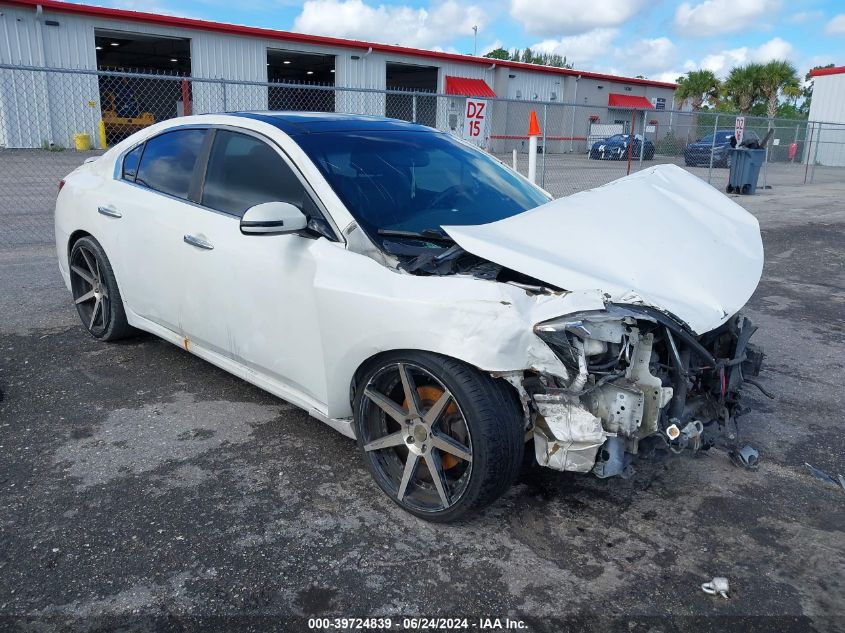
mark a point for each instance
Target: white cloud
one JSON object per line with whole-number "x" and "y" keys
{"x": 721, "y": 62}
{"x": 650, "y": 54}
{"x": 393, "y": 24}
{"x": 555, "y": 17}
{"x": 713, "y": 17}
{"x": 836, "y": 26}
{"x": 804, "y": 16}
{"x": 773, "y": 49}
{"x": 581, "y": 49}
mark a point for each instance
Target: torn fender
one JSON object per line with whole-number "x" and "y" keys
{"x": 661, "y": 237}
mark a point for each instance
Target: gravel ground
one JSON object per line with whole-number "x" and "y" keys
{"x": 143, "y": 489}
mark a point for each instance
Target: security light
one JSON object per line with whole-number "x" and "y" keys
{"x": 115, "y": 43}
{"x": 310, "y": 72}
{"x": 287, "y": 61}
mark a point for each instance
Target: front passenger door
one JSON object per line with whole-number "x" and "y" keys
{"x": 250, "y": 298}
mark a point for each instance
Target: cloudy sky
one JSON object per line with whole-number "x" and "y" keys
{"x": 660, "y": 39}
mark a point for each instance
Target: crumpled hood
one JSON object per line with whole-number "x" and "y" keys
{"x": 661, "y": 237}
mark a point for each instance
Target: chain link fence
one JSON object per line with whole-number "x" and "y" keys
{"x": 52, "y": 119}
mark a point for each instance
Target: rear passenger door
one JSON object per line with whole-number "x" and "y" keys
{"x": 157, "y": 188}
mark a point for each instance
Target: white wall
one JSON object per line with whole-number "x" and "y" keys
{"x": 828, "y": 147}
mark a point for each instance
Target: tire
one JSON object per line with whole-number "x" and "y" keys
{"x": 95, "y": 291}
{"x": 729, "y": 189}
{"x": 483, "y": 427}
{"x": 746, "y": 189}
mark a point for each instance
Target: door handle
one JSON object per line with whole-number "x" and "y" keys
{"x": 193, "y": 240}
{"x": 108, "y": 211}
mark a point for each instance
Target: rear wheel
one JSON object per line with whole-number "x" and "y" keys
{"x": 95, "y": 291}
{"x": 439, "y": 437}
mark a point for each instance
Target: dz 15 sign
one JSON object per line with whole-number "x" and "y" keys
{"x": 475, "y": 121}
{"x": 739, "y": 128}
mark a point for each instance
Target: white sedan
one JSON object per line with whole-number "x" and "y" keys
{"x": 414, "y": 293}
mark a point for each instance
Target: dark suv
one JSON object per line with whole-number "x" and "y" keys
{"x": 698, "y": 153}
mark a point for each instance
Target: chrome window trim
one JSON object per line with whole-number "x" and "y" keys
{"x": 321, "y": 207}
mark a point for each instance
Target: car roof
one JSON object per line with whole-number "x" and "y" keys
{"x": 293, "y": 123}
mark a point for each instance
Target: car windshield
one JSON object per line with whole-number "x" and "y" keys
{"x": 618, "y": 138}
{"x": 415, "y": 182}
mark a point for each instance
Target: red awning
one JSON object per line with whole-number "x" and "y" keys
{"x": 629, "y": 102}
{"x": 468, "y": 87}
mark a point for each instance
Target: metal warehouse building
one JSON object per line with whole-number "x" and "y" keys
{"x": 828, "y": 104}
{"x": 361, "y": 77}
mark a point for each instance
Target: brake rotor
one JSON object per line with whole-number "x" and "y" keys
{"x": 428, "y": 395}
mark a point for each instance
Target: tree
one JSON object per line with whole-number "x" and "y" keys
{"x": 777, "y": 78}
{"x": 807, "y": 92}
{"x": 498, "y": 53}
{"x": 698, "y": 87}
{"x": 528, "y": 56}
{"x": 742, "y": 87}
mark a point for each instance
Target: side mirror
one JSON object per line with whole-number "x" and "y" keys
{"x": 273, "y": 218}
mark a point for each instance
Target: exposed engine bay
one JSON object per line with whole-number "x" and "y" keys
{"x": 636, "y": 373}
{"x": 677, "y": 262}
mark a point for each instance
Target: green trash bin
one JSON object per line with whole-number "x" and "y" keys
{"x": 745, "y": 169}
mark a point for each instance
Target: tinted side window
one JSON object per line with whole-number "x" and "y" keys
{"x": 130, "y": 163}
{"x": 167, "y": 163}
{"x": 244, "y": 171}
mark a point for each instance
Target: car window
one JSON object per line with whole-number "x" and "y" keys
{"x": 416, "y": 181}
{"x": 168, "y": 160}
{"x": 130, "y": 163}
{"x": 244, "y": 171}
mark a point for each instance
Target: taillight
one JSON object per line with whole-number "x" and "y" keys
{"x": 61, "y": 184}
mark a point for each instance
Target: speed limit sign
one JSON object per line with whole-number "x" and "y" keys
{"x": 739, "y": 127}
{"x": 475, "y": 121}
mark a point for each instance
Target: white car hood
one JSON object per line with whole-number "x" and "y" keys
{"x": 660, "y": 237}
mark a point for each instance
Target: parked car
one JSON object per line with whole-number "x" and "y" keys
{"x": 698, "y": 153}
{"x": 415, "y": 294}
{"x": 616, "y": 148}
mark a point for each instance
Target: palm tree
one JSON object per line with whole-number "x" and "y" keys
{"x": 778, "y": 77}
{"x": 698, "y": 87}
{"x": 742, "y": 87}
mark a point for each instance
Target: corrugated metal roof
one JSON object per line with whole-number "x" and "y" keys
{"x": 615, "y": 100}
{"x": 235, "y": 29}
{"x": 467, "y": 87}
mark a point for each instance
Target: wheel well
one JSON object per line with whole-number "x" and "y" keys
{"x": 74, "y": 238}
{"x": 362, "y": 368}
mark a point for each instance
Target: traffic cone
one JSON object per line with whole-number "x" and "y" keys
{"x": 533, "y": 133}
{"x": 533, "y": 125}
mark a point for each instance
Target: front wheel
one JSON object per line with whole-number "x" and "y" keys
{"x": 95, "y": 291}
{"x": 439, "y": 437}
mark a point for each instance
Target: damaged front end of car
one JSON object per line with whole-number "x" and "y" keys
{"x": 635, "y": 373}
